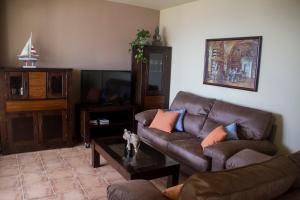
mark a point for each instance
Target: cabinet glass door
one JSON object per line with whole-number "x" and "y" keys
{"x": 56, "y": 85}
{"x": 155, "y": 74}
{"x": 17, "y": 85}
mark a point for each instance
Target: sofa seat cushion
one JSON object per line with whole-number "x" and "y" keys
{"x": 159, "y": 138}
{"x": 190, "y": 152}
{"x": 246, "y": 157}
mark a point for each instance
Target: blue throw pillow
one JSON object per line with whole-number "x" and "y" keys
{"x": 179, "y": 122}
{"x": 231, "y": 131}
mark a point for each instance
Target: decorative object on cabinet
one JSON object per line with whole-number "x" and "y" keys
{"x": 142, "y": 39}
{"x": 151, "y": 79}
{"x": 29, "y": 54}
{"x": 35, "y": 109}
{"x": 157, "y": 38}
{"x": 233, "y": 62}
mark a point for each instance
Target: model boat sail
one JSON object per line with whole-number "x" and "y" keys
{"x": 29, "y": 55}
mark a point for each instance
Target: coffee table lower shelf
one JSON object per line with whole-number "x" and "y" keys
{"x": 149, "y": 163}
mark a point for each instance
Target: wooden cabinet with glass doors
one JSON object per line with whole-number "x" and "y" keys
{"x": 151, "y": 79}
{"x": 35, "y": 109}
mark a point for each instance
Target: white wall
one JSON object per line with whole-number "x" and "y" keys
{"x": 187, "y": 26}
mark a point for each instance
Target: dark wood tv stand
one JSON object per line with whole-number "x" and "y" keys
{"x": 120, "y": 118}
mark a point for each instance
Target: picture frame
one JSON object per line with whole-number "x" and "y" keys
{"x": 233, "y": 62}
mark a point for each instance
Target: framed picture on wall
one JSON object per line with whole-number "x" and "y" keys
{"x": 233, "y": 62}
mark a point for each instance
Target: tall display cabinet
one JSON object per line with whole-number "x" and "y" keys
{"x": 151, "y": 79}
{"x": 35, "y": 109}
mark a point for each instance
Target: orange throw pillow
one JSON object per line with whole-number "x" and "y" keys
{"x": 217, "y": 135}
{"x": 164, "y": 121}
{"x": 173, "y": 192}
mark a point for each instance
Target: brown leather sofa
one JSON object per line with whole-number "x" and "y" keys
{"x": 277, "y": 178}
{"x": 255, "y": 129}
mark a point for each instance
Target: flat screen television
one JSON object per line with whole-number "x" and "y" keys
{"x": 105, "y": 87}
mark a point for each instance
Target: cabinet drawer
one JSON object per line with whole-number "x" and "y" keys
{"x": 36, "y": 105}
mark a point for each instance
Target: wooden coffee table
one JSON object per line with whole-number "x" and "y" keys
{"x": 149, "y": 163}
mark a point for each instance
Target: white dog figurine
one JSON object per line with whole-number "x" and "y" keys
{"x": 133, "y": 139}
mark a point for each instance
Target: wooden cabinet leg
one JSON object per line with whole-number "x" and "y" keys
{"x": 95, "y": 156}
{"x": 173, "y": 180}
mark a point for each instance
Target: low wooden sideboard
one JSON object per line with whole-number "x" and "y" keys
{"x": 35, "y": 109}
{"x": 120, "y": 117}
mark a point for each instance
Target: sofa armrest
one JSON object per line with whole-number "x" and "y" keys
{"x": 146, "y": 117}
{"x": 134, "y": 190}
{"x": 220, "y": 152}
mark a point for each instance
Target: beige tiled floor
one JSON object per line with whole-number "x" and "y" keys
{"x": 56, "y": 175}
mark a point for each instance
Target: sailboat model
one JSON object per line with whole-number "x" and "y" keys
{"x": 29, "y": 55}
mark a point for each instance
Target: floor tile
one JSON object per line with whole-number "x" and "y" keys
{"x": 8, "y": 162}
{"x": 96, "y": 193}
{"x": 76, "y": 161}
{"x": 7, "y": 157}
{"x": 55, "y": 165}
{"x": 50, "y": 156}
{"x": 111, "y": 176}
{"x": 28, "y": 158}
{"x": 70, "y": 152}
{"x": 9, "y": 182}
{"x": 88, "y": 170}
{"x": 57, "y": 175}
{"x": 63, "y": 185}
{"x": 31, "y": 167}
{"x": 32, "y": 178}
{"x": 11, "y": 194}
{"x": 9, "y": 170}
{"x": 88, "y": 181}
{"x": 61, "y": 173}
{"x": 47, "y": 198}
{"x": 106, "y": 169}
{"x": 38, "y": 190}
{"x": 50, "y": 151}
{"x": 71, "y": 195}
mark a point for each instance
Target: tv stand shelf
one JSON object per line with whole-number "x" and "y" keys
{"x": 120, "y": 117}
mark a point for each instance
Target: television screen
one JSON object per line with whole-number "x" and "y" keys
{"x": 106, "y": 87}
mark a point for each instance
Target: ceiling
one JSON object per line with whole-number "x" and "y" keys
{"x": 154, "y": 4}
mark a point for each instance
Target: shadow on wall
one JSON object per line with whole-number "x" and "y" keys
{"x": 3, "y": 34}
{"x": 278, "y": 140}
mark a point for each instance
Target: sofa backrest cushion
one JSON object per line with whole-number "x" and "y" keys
{"x": 197, "y": 109}
{"x": 272, "y": 179}
{"x": 252, "y": 123}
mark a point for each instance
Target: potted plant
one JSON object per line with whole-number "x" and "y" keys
{"x": 142, "y": 39}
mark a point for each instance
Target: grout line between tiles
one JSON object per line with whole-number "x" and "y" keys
{"x": 20, "y": 177}
{"x": 75, "y": 175}
{"x": 46, "y": 173}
